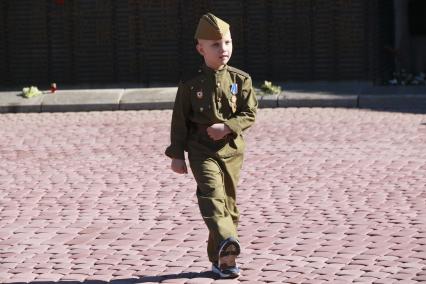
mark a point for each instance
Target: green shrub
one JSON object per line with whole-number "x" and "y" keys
{"x": 268, "y": 88}
{"x": 30, "y": 92}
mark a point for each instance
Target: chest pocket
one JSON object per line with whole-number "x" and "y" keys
{"x": 199, "y": 101}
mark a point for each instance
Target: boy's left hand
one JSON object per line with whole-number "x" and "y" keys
{"x": 218, "y": 131}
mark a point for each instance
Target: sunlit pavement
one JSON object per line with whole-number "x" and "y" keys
{"x": 326, "y": 196}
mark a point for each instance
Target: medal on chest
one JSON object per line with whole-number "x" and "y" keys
{"x": 233, "y": 100}
{"x": 200, "y": 94}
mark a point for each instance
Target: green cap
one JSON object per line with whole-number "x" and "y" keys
{"x": 211, "y": 27}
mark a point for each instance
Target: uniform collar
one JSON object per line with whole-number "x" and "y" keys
{"x": 209, "y": 71}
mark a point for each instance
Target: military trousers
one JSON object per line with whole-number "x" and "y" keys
{"x": 217, "y": 179}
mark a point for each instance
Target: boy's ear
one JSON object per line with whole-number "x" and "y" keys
{"x": 199, "y": 48}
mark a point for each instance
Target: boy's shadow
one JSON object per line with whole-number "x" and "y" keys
{"x": 186, "y": 275}
{"x": 142, "y": 279}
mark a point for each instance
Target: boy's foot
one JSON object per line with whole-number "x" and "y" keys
{"x": 229, "y": 273}
{"x": 228, "y": 252}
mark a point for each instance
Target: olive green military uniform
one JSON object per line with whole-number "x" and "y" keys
{"x": 209, "y": 97}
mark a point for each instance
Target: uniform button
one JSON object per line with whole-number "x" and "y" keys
{"x": 218, "y": 84}
{"x": 199, "y": 70}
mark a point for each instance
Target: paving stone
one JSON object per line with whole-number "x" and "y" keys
{"x": 326, "y": 195}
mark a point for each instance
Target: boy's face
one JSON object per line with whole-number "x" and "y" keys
{"x": 216, "y": 53}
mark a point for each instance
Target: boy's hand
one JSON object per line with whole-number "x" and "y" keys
{"x": 179, "y": 166}
{"x": 218, "y": 131}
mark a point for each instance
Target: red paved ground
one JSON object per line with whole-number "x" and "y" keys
{"x": 327, "y": 196}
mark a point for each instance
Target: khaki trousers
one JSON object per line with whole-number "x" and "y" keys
{"x": 217, "y": 180}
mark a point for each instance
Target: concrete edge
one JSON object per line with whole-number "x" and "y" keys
{"x": 357, "y": 99}
{"x": 147, "y": 106}
{"x": 393, "y": 101}
{"x": 79, "y": 107}
{"x": 82, "y": 100}
{"x": 318, "y": 99}
{"x": 14, "y": 108}
{"x": 14, "y": 102}
{"x": 268, "y": 101}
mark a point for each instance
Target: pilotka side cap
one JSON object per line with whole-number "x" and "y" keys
{"x": 211, "y": 27}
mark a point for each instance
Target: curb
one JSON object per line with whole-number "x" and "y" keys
{"x": 163, "y": 98}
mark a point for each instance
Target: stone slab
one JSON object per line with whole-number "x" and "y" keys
{"x": 394, "y": 90}
{"x": 406, "y": 101}
{"x": 394, "y": 97}
{"x": 317, "y": 99}
{"x": 148, "y": 98}
{"x": 82, "y": 100}
{"x": 11, "y": 102}
{"x": 270, "y": 101}
{"x": 308, "y": 94}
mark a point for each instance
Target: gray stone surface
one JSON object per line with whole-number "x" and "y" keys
{"x": 316, "y": 99}
{"x": 406, "y": 101}
{"x": 338, "y": 88}
{"x": 304, "y": 94}
{"x": 148, "y": 98}
{"x": 394, "y": 90}
{"x": 395, "y": 97}
{"x": 270, "y": 101}
{"x": 11, "y": 102}
{"x": 82, "y": 100}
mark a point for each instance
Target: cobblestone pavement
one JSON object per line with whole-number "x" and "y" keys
{"x": 327, "y": 196}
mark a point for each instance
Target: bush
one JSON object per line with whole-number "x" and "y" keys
{"x": 268, "y": 88}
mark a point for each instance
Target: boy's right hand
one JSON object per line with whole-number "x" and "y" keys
{"x": 179, "y": 166}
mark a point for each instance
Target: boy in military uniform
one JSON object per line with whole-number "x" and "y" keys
{"x": 211, "y": 111}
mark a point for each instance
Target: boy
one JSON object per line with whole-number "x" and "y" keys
{"x": 211, "y": 110}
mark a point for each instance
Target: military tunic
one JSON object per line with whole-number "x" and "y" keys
{"x": 214, "y": 96}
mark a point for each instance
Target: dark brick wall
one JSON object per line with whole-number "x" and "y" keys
{"x": 151, "y": 41}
